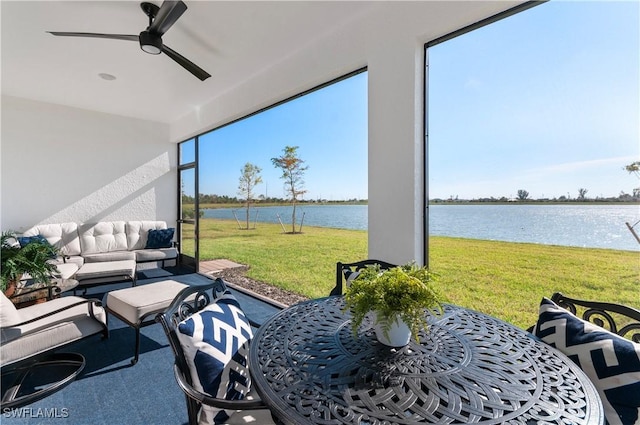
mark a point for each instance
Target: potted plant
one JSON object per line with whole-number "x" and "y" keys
{"x": 397, "y": 297}
{"x": 32, "y": 259}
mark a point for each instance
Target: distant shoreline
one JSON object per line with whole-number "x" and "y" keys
{"x": 536, "y": 202}
{"x": 431, "y": 202}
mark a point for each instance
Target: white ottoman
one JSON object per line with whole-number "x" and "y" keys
{"x": 98, "y": 273}
{"x": 135, "y": 306}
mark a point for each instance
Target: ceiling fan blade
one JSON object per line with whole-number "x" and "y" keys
{"x": 186, "y": 63}
{"x": 168, "y": 14}
{"x": 95, "y": 35}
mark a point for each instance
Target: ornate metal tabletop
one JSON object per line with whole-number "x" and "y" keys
{"x": 309, "y": 368}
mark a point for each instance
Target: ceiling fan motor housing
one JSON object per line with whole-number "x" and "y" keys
{"x": 150, "y": 43}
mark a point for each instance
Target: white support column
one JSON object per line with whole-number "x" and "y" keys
{"x": 396, "y": 151}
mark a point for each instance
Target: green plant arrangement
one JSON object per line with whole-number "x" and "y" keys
{"x": 402, "y": 292}
{"x": 32, "y": 259}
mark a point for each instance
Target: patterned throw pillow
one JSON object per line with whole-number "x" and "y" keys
{"x": 160, "y": 238}
{"x": 215, "y": 342}
{"x": 349, "y": 276}
{"x": 610, "y": 361}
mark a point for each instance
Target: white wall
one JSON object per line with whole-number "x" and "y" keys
{"x": 64, "y": 164}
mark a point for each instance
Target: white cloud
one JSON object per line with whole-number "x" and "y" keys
{"x": 473, "y": 83}
{"x": 569, "y": 167}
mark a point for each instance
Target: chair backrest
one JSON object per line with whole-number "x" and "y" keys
{"x": 616, "y": 318}
{"x": 343, "y": 268}
{"x": 207, "y": 403}
{"x": 188, "y": 302}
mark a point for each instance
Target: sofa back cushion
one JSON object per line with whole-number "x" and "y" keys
{"x": 138, "y": 231}
{"x": 105, "y": 236}
{"x": 63, "y": 236}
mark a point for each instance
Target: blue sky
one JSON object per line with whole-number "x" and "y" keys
{"x": 330, "y": 128}
{"x": 547, "y": 101}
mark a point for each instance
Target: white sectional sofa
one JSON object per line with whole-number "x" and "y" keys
{"x": 105, "y": 252}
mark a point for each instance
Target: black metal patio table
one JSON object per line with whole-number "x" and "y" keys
{"x": 310, "y": 368}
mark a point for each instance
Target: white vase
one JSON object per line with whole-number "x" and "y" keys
{"x": 399, "y": 334}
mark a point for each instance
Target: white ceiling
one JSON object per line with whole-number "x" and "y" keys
{"x": 231, "y": 40}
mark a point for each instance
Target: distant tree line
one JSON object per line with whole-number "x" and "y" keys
{"x": 261, "y": 199}
{"x": 523, "y": 196}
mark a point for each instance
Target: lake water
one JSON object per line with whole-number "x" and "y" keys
{"x": 589, "y": 226}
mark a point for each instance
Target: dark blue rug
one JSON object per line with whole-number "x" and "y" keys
{"x": 112, "y": 392}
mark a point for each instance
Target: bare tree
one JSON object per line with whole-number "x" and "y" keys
{"x": 582, "y": 193}
{"x": 523, "y": 195}
{"x": 249, "y": 179}
{"x": 292, "y": 173}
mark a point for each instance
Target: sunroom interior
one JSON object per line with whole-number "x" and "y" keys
{"x": 91, "y": 130}
{"x": 79, "y": 145}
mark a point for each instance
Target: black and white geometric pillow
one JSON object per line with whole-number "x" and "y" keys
{"x": 215, "y": 342}
{"x": 611, "y": 362}
{"x": 350, "y": 276}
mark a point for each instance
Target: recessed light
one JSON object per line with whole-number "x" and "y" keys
{"x": 107, "y": 77}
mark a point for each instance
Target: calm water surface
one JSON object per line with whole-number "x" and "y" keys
{"x": 589, "y": 226}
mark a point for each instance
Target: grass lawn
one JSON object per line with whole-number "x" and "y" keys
{"x": 503, "y": 279}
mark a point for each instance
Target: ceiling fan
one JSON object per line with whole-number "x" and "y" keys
{"x": 160, "y": 20}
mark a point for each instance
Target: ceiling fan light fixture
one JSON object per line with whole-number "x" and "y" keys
{"x": 150, "y": 43}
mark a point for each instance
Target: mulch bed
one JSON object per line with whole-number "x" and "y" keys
{"x": 237, "y": 276}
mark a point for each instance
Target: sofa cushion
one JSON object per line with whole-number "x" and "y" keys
{"x": 78, "y": 260}
{"x": 610, "y": 361}
{"x": 160, "y": 254}
{"x": 215, "y": 342}
{"x": 160, "y": 238}
{"x": 66, "y": 270}
{"x": 134, "y": 304}
{"x": 107, "y": 271}
{"x": 109, "y": 256}
{"x": 137, "y": 232}
{"x": 105, "y": 236}
{"x": 52, "y": 331}
{"x": 63, "y": 236}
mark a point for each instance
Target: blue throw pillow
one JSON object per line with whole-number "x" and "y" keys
{"x": 160, "y": 238}
{"x": 26, "y": 240}
{"x": 215, "y": 342}
{"x": 611, "y": 362}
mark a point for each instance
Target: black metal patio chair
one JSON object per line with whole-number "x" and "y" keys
{"x": 617, "y": 318}
{"x": 192, "y": 303}
{"x": 343, "y": 270}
